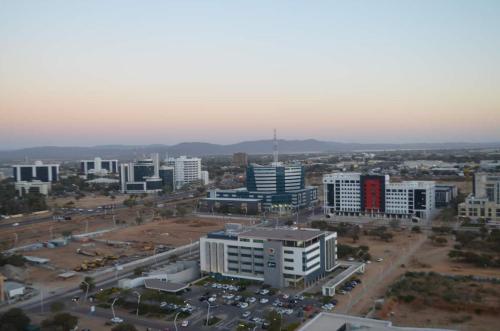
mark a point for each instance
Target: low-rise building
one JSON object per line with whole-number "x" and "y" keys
{"x": 32, "y": 187}
{"x": 445, "y": 194}
{"x": 99, "y": 166}
{"x": 484, "y": 201}
{"x": 278, "y": 257}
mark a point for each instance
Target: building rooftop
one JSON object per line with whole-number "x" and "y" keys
{"x": 157, "y": 284}
{"x": 233, "y": 199}
{"x": 282, "y": 234}
{"x": 336, "y": 322}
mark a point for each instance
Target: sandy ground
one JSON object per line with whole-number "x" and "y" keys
{"x": 170, "y": 232}
{"x": 430, "y": 257}
{"x": 89, "y": 201}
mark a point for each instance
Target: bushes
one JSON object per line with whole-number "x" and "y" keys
{"x": 60, "y": 322}
{"x": 14, "y": 319}
{"x": 15, "y": 260}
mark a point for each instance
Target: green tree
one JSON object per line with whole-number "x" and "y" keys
{"x": 61, "y": 321}
{"x": 16, "y": 318}
{"x": 91, "y": 284}
{"x": 181, "y": 210}
{"x": 274, "y": 320}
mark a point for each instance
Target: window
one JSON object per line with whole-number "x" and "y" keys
{"x": 258, "y": 241}
{"x": 246, "y": 270}
{"x": 246, "y": 255}
{"x": 232, "y": 254}
{"x": 245, "y": 239}
{"x": 288, "y": 252}
{"x": 288, "y": 260}
{"x": 288, "y": 268}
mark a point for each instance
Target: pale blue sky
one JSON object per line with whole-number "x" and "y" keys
{"x": 226, "y": 71}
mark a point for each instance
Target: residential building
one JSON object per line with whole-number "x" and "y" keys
{"x": 187, "y": 170}
{"x": 240, "y": 159}
{"x": 46, "y": 173}
{"x": 484, "y": 201}
{"x": 279, "y": 257}
{"x": 355, "y": 194}
{"x": 142, "y": 176}
{"x": 35, "y": 186}
{"x": 99, "y": 166}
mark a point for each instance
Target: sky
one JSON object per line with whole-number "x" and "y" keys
{"x": 80, "y": 73}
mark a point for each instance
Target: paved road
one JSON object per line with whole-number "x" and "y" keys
{"x": 48, "y": 218}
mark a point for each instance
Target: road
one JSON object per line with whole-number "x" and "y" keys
{"x": 49, "y": 218}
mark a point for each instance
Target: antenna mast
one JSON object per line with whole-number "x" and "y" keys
{"x": 275, "y": 149}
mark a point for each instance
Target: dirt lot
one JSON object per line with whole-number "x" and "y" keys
{"x": 89, "y": 201}
{"x": 170, "y": 232}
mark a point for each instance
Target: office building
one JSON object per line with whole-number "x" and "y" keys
{"x": 98, "y": 166}
{"x": 142, "y": 176}
{"x": 167, "y": 175}
{"x": 187, "y": 170}
{"x": 484, "y": 201}
{"x": 277, "y": 257}
{"x": 445, "y": 194}
{"x": 275, "y": 185}
{"x": 205, "y": 177}
{"x": 46, "y": 173}
{"x": 35, "y": 186}
{"x": 354, "y": 194}
{"x": 339, "y": 322}
{"x": 240, "y": 159}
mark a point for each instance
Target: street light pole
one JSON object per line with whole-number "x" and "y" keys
{"x": 86, "y": 291}
{"x": 113, "y": 308}
{"x": 208, "y": 310}
{"x": 175, "y": 320}
{"x": 138, "y": 302}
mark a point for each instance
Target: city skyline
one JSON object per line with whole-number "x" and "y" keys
{"x": 119, "y": 72}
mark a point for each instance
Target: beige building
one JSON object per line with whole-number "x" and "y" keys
{"x": 484, "y": 202}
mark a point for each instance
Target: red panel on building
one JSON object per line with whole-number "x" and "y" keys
{"x": 372, "y": 195}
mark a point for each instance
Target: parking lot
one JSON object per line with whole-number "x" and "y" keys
{"x": 251, "y": 305}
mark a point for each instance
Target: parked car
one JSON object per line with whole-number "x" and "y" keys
{"x": 116, "y": 320}
{"x": 185, "y": 323}
{"x": 264, "y": 300}
{"x": 246, "y": 314}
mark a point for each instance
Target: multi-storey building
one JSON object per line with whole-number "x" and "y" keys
{"x": 445, "y": 194}
{"x": 186, "y": 170}
{"x": 278, "y": 257}
{"x": 142, "y": 176}
{"x": 39, "y": 171}
{"x": 99, "y": 166}
{"x": 484, "y": 201}
{"x": 274, "y": 185}
{"x": 35, "y": 186}
{"x": 240, "y": 159}
{"x": 168, "y": 177}
{"x": 354, "y": 194}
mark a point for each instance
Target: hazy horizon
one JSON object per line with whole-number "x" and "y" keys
{"x": 86, "y": 73}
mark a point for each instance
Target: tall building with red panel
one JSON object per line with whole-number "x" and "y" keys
{"x": 372, "y": 194}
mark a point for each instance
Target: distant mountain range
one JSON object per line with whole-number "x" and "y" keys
{"x": 127, "y": 152}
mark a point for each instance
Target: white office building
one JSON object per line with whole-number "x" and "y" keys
{"x": 186, "y": 170}
{"x": 278, "y": 257}
{"x": 39, "y": 171}
{"x": 484, "y": 201}
{"x": 355, "y": 194}
{"x": 141, "y": 176}
{"x": 98, "y": 166}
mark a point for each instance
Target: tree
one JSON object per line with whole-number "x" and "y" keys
{"x": 166, "y": 213}
{"x": 138, "y": 271}
{"x": 130, "y": 202}
{"x": 416, "y": 229}
{"x": 57, "y": 306}
{"x": 91, "y": 284}
{"x": 16, "y": 318}
{"x": 61, "y": 321}
{"x": 124, "y": 327}
{"x": 274, "y": 321}
{"x": 181, "y": 211}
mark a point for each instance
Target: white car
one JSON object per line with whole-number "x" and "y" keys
{"x": 243, "y": 305}
{"x": 246, "y": 314}
{"x": 380, "y": 259}
{"x": 15, "y": 224}
{"x": 285, "y": 296}
{"x": 212, "y": 299}
{"x": 185, "y": 323}
{"x": 251, "y": 300}
{"x": 116, "y": 320}
{"x": 264, "y": 291}
{"x": 264, "y": 300}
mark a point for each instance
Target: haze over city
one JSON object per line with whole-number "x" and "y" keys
{"x": 79, "y": 73}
